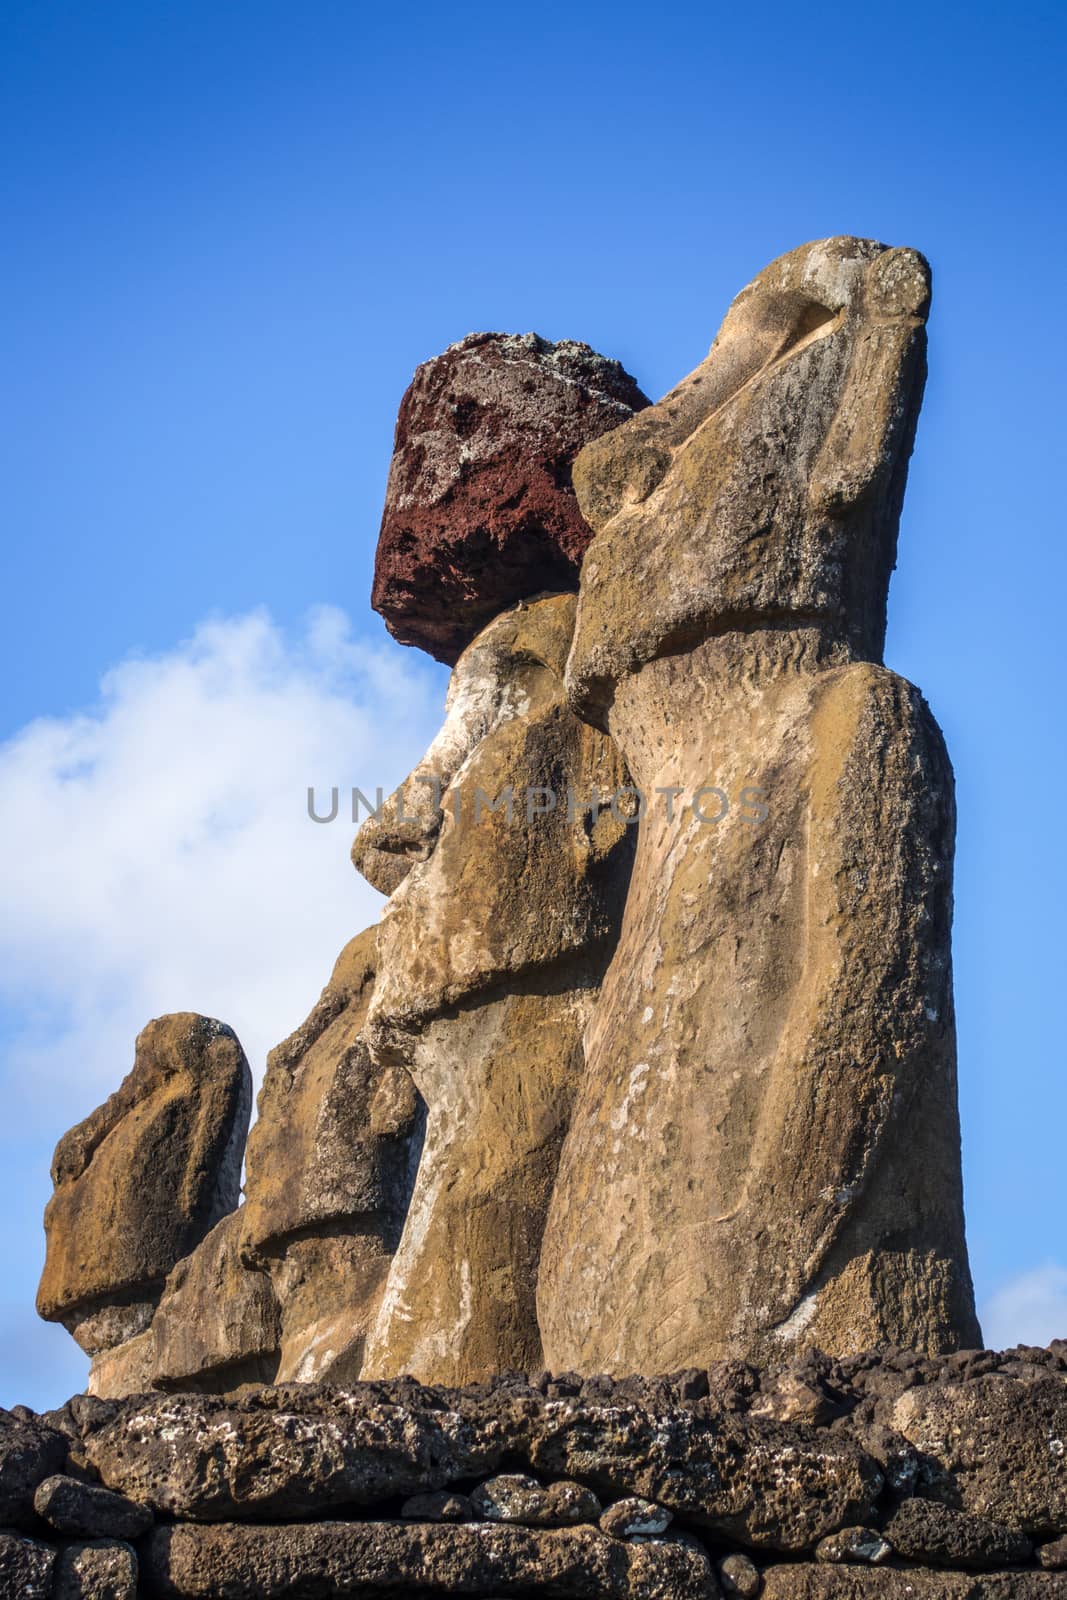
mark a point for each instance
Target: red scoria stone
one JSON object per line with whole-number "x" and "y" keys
{"x": 479, "y": 510}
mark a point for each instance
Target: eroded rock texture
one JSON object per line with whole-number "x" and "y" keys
{"x": 479, "y": 510}
{"x": 364, "y": 1559}
{"x": 490, "y": 954}
{"x": 765, "y": 1149}
{"x": 287, "y": 1285}
{"x": 792, "y": 1481}
{"x": 143, "y": 1179}
{"x": 217, "y": 1324}
{"x": 331, "y": 1163}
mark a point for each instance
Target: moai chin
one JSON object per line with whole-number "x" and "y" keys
{"x": 764, "y": 1153}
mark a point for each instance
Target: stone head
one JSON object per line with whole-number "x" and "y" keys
{"x": 766, "y": 488}
{"x": 478, "y": 895}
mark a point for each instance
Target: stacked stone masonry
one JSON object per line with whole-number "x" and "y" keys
{"x": 891, "y": 1476}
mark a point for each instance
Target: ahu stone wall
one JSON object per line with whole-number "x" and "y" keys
{"x": 884, "y": 1476}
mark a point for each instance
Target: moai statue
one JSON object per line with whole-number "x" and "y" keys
{"x": 138, "y": 1186}
{"x": 331, "y": 1161}
{"x": 764, "y": 1153}
{"x": 505, "y": 903}
{"x": 505, "y": 900}
{"x": 286, "y": 1287}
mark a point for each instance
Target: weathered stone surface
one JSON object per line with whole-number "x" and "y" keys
{"x": 490, "y": 952}
{"x": 217, "y": 1324}
{"x": 163, "y": 1154}
{"x": 739, "y": 1576}
{"x": 368, "y": 1558}
{"x": 997, "y": 1447}
{"x": 101, "y": 1570}
{"x": 750, "y": 1481}
{"x": 633, "y": 1518}
{"x": 479, "y": 510}
{"x": 297, "y": 1451}
{"x": 25, "y": 1568}
{"x": 331, "y": 1163}
{"x": 935, "y": 1535}
{"x": 191, "y": 1457}
{"x": 514, "y": 1497}
{"x": 764, "y": 1152}
{"x": 1053, "y": 1555}
{"x": 768, "y": 484}
{"x": 129, "y": 1368}
{"x": 89, "y": 1511}
{"x": 803, "y": 1582}
{"x": 862, "y": 1546}
{"x": 443, "y": 1506}
{"x": 529, "y": 1453}
{"x": 794, "y": 1396}
{"x": 29, "y": 1452}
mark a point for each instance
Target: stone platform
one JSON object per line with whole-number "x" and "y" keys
{"x": 883, "y": 1476}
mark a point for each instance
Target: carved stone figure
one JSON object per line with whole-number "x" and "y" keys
{"x": 491, "y": 950}
{"x": 287, "y": 1285}
{"x": 331, "y": 1162}
{"x": 143, "y": 1179}
{"x": 764, "y": 1153}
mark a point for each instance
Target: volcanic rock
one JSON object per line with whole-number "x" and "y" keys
{"x": 216, "y": 1325}
{"x": 516, "y": 1498}
{"x": 739, "y": 1576}
{"x": 297, "y": 1451}
{"x": 331, "y": 1162}
{"x": 635, "y": 1518}
{"x": 29, "y": 1452}
{"x": 442, "y": 1506}
{"x": 1000, "y": 1446}
{"x": 764, "y": 1152}
{"x": 1053, "y": 1555}
{"x": 129, "y": 1368}
{"x": 88, "y": 1511}
{"x": 479, "y": 509}
{"x": 98, "y": 1570}
{"x": 25, "y": 1568}
{"x": 804, "y": 1582}
{"x": 854, "y": 1545}
{"x": 935, "y": 1535}
{"x": 389, "y": 1558}
{"x": 162, "y": 1159}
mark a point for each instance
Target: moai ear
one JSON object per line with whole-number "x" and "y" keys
{"x": 881, "y": 390}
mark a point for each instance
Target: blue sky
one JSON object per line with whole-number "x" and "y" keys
{"x": 231, "y": 234}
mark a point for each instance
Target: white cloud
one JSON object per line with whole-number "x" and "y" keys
{"x": 157, "y": 854}
{"x": 1029, "y": 1309}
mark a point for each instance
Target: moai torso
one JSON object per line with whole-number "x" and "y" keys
{"x": 764, "y": 1153}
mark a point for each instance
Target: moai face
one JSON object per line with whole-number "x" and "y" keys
{"x": 164, "y": 1155}
{"x": 778, "y": 467}
{"x": 482, "y": 895}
